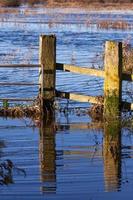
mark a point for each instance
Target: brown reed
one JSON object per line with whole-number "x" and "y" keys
{"x": 20, "y": 111}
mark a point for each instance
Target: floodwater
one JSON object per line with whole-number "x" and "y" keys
{"x": 65, "y": 157}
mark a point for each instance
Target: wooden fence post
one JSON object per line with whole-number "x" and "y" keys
{"x": 47, "y": 59}
{"x": 113, "y": 78}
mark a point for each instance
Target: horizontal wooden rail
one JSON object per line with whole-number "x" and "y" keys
{"x": 17, "y": 99}
{"x": 70, "y": 68}
{"x": 82, "y": 126}
{"x": 19, "y": 66}
{"x": 89, "y": 71}
{"x": 127, "y": 77}
{"x": 72, "y": 126}
{"x": 81, "y": 70}
{"x": 15, "y": 126}
{"x": 91, "y": 99}
{"x": 19, "y": 84}
{"x": 127, "y": 106}
{"x": 77, "y": 97}
{"x": 60, "y": 127}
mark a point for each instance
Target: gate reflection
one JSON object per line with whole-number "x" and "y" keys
{"x": 111, "y": 152}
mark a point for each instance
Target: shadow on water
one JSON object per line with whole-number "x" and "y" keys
{"x": 111, "y": 154}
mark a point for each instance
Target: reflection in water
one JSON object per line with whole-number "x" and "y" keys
{"x": 112, "y": 155}
{"x": 7, "y": 169}
{"x": 2, "y": 145}
{"x": 6, "y": 172}
{"x": 48, "y": 155}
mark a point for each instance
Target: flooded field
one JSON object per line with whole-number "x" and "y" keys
{"x": 67, "y": 157}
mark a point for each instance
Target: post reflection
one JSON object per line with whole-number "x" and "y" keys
{"x": 112, "y": 155}
{"x": 48, "y": 155}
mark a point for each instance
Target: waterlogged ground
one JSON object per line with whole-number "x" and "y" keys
{"x": 67, "y": 157}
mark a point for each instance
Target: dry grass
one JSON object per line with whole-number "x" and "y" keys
{"x": 87, "y": 4}
{"x": 20, "y": 111}
{"x": 96, "y": 111}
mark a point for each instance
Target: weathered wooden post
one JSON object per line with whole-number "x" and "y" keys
{"x": 47, "y": 60}
{"x": 112, "y": 108}
{"x": 113, "y": 78}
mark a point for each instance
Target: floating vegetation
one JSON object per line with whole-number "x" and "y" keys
{"x": 31, "y": 111}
